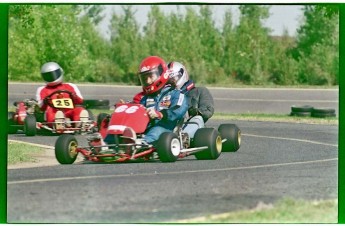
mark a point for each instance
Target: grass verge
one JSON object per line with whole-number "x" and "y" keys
{"x": 19, "y": 152}
{"x": 286, "y": 210}
{"x": 276, "y": 118}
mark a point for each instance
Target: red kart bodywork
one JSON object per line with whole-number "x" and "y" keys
{"x": 126, "y": 115}
{"x": 21, "y": 113}
{"x": 126, "y": 120}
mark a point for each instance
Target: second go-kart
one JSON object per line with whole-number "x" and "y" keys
{"x": 126, "y": 126}
{"x": 16, "y": 118}
{"x": 32, "y": 123}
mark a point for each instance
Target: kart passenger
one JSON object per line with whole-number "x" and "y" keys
{"x": 165, "y": 104}
{"x": 200, "y": 100}
{"x": 52, "y": 74}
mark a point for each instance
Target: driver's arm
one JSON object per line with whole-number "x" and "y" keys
{"x": 178, "y": 107}
{"x": 77, "y": 97}
{"x": 40, "y": 98}
{"x": 206, "y": 103}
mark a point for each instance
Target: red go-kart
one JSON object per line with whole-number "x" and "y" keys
{"x": 23, "y": 109}
{"x": 127, "y": 125}
{"x": 33, "y": 120}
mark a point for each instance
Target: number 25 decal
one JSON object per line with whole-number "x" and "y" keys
{"x": 63, "y": 103}
{"x": 125, "y": 108}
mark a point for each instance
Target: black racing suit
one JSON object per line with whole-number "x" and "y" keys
{"x": 200, "y": 100}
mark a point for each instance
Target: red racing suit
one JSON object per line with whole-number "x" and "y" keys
{"x": 44, "y": 91}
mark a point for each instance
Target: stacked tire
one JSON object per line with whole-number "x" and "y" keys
{"x": 96, "y": 104}
{"x": 323, "y": 112}
{"x": 310, "y": 111}
{"x": 304, "y": 111}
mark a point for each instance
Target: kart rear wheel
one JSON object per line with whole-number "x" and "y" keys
{"x": 211, "y": 138}
{"x": 66, "y": 149}
{"x": 168, "y": 147}
{"x": 232, "y": 134}
{"x": 30, "y": 125}
{"x": 12, "y": 128}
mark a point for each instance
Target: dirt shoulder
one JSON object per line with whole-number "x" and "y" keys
{"x": 46, "y": 158}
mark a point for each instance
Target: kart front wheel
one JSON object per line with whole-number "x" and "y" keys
{"x": 211, "y": 138}
{"x": 66, "y": 149}
{"x": 168, "y": 147}
{"x": 30, "y": 125}
{"x": 232, "y": 134}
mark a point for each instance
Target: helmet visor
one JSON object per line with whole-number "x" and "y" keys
{"x": 52, "y": 75}
{"x": 148, "y": 77}
{"x": 174, "y": 76}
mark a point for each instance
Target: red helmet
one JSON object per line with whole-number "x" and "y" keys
{"x": 152, "y": 74}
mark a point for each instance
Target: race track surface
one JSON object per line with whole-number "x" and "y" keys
{"x": 276, "y": 160}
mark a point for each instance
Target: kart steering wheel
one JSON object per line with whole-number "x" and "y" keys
{"x": 46, "y": 99}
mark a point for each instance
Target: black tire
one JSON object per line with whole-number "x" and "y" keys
{"x": 92, "y": 103}
{"x": 323, "y": 111}
{"x": 304, "y": 108}
{"x": 100, "y": 118}
{"x": 323, "y": 115}
{"x": 211, "y": 138}
{"x": 302, "y": 114}
{"x": 12, "y": 128}
{"x": 168, "y": 147}
{"x": 233, "y": 135}
{"x": 30, "y": 125}
{"x": 65, "y": 149}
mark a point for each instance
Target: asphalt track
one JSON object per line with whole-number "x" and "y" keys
{"x": 227, "y": 100}
{"x": 276, "y": 160}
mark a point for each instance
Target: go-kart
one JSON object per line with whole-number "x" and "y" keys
{"x": 23, "y": 109}
{"x": 126, "y": 126}
{"x": 33, "y": 120}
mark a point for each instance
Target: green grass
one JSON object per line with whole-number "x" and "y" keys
{"x": 275, "y": 118}
{"x": 284, "y": 211}
{"x": 18, "y": 152}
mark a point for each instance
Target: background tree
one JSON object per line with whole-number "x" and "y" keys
{"x": 228, "y": 60}
{"x": 252, "y": 49}
{"x": 243, "y": 54}
{"x": 317, "y": 49}
{"x": 126, "y": 45}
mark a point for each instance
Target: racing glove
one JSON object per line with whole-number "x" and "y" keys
{"x": 74, "y": 97}
{"x": 193, "y": 111}
{"x": 153, "y": 114}
{"x": 47, "y": 101}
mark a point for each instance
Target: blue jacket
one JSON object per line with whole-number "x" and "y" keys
{"x": 171, "y": 103}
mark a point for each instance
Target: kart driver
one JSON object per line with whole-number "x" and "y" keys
{"x": 200, "y": 100}
{"x": 165, "y": 104}
{"x": 52, "y": 74}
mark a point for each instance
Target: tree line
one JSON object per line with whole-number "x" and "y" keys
{"x": 245, "y": 53}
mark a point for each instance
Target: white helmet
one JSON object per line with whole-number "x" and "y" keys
{"x": 178, "y": 74}
{"x": 52, "y": 73}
